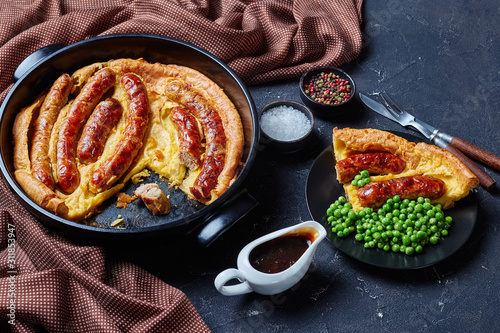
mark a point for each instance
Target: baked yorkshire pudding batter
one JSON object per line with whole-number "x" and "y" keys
{"x": 108, "y": 123}
{"x": 398, "y": 166}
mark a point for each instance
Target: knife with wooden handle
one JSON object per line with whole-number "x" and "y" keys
{"x": 477, "y": 153}
{"x": 455, "y": 145}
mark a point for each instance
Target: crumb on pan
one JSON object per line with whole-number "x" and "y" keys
{"x": 124, "y": 199}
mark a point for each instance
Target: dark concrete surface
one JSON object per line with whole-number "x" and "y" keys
{"x": 438, "y": 59}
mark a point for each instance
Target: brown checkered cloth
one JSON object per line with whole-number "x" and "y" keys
{"x": 50, "y": 283}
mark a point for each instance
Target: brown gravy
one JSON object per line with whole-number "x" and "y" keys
{"x": 280, "y": 253}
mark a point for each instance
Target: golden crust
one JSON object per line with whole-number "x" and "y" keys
{"x": 20, "y": 133}
{"x": 420, "y": 158}
{"x": 440, "y": 163}
{"x": 40, "y": 193}
{"x": 348, "y": 141}
{"x": 160, "y": 147}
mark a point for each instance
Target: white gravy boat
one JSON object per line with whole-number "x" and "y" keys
{"x": 253, "y": 279}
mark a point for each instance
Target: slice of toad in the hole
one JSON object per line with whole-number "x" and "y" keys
{"x": 398, "y": 166}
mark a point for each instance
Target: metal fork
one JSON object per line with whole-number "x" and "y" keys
{"x": 406, "y": 119}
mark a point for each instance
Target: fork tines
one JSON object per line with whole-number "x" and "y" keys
{"x": 390, "y": 104}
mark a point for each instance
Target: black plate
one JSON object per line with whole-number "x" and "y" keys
{"x": 322, "y": 189}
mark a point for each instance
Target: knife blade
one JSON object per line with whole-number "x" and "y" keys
{"x": 456, "y": 146}
{"x": 427, "y": 130}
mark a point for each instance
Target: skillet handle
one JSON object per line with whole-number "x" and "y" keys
{"x": 34, "y": 58}
{"x": 224, "y": 217}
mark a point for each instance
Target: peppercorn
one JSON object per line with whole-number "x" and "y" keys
{"x": 328, "y": 88}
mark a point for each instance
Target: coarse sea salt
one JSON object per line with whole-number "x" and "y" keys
{"x": 285, "y": 123}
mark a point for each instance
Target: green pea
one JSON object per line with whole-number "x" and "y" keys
{"x": 421, "y": 235}
{"x": 418, "y": 208}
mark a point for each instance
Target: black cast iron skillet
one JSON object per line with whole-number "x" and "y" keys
{"x": 204, "y": 223}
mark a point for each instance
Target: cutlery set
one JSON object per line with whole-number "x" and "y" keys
{"x": 387, "y": 107}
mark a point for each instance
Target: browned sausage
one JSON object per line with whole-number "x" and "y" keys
{"x": 375, "y": 194}
{"x": 97, "y": 130}
{"x": 380, "y": 163}
{"x": 85, "y": 102}
{"x": 56, "y": 98}
{"x": 154, "y": 198}
{"x": 209, "y": 118}
{"x": 189, "y": 137}
{"x": 131, "y": 139}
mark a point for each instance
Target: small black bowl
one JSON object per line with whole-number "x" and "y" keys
{"x": 287, "y": 146}
{"x": 324, "y": 110}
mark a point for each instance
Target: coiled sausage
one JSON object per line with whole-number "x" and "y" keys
{"x": 67, "y": 171}
{"x": 376, "y": 193}
{"x": 131, "y": 139}
{"x": 97, "y": 130}
{"x": 215, "y": 153}
{"x": 56, "y": 98}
